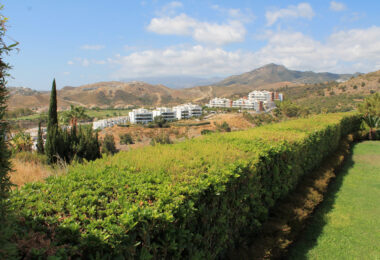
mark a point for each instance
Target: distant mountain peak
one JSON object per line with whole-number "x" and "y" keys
{"x": 273, "y": 73}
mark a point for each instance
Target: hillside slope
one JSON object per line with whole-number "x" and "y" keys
{"x": 136, "y": 93}
{"x": 333, "y": 96}
{"x": 272, "y": 73}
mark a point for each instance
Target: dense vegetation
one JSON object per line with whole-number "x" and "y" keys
{"x": 345, "y": 225}
{"x": 69, "y": 144}
{"x": 194, "y": 198}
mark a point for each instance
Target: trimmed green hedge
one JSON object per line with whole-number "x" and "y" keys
{"x": 192, "y": 124}
{"x": 188, "y": 200}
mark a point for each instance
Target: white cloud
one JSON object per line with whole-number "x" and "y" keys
{"x": 179, "y": 25}
{"x": 302, "y": 10}
{"x": 212, "y": 33}
{"x": 337, "y": 6}
{"x": 194, "y": 60}
{"x": 70, "y": 62}
{"x": 170, "y": 8}
{"x": 66, "y": 73}
{"x": 92, "y": 47}
{"x": 85, "y": 62}
{"x": 245, "y": 15}
{"x": 344, "y": 51}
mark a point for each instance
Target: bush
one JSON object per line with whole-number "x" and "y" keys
{"x": 193, "y": 199}
{"x": 224, "y": 127}
{"x": 21, "y": 142}
{"x": 193, "y": 124}
{"x": 108, "y": 145}
{"x": 161, "y": 139}
{"x": 206, "y": 132}
{"x": 126, "y": 139}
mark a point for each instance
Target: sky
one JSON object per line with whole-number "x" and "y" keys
{"x": 87, "y": 41}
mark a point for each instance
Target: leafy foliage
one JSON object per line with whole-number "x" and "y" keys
{"x": 73, "y": 115}
{"x": 373, "y": 122}
{"x": 371, "y": 105}
{"x": 290, "y": 109}
{"x": 21, "y": 142}
{"x": 191, "y": 199}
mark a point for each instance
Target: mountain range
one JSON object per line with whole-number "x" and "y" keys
{"x": 138, "y": 93}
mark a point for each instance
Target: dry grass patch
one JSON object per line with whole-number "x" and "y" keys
{"x": 30, "y": 167}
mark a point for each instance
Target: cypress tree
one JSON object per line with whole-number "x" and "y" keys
{"x": 53, "y": 138}
{"x": 40, "y": 141}
{"x": 5, "y": 183}
{"x": 52, "y": 115}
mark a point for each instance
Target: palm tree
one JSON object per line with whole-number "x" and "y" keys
{"x": 22, "y": 142}
{"x": 73, "y": 115}
{"x": 372, "y": 122}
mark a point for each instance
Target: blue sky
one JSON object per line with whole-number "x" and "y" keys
{"x": 80, "y": 42}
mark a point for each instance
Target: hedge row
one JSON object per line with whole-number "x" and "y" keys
{"x": 188, "y": 200}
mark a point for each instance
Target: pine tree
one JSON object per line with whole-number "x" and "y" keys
{"x": 53, "y": 144}
{"x": 40, "y": 141}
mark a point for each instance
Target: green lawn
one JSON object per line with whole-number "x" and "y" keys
{"x": 347, "y": 225}
{"x": 100, "y": 114}
{"x": 107, "y": 113}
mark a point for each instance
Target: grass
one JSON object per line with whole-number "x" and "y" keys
{"x": 105, "y": 113}
{"x": 99, "y": 114}
{"x": 347, "y": 225}
{"x": 30, "y": 167}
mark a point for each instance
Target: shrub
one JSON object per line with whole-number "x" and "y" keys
{"x": 160, "y": 139}
{"x": 108, "y": 145}
{"x": 224, "y": 127}
{"x": 192, "y": 199}
{"x": 206, "y": 132}
{"x": 21, "y": 142}
{"x": 126, "y": 139}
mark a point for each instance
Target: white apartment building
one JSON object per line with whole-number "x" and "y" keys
{"x": 265, "y": 95}
{"x": 109, "y": 122}
{"x": 187, "y": 111}
{"x": 260, "y": 95}
{"x": 245, "y": 103}
{"x": 167, "y": 113}
{"x": 220, "y": 102}
{"x": 140, "y": 116}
